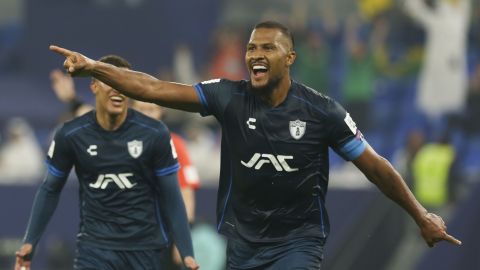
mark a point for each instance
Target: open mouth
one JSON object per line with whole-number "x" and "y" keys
{"x": 116, "y": 100}
{"x": 259, "y": 70}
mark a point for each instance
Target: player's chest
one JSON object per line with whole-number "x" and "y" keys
{"x": 283, "y": 126}
{"x": 100, "y": 149}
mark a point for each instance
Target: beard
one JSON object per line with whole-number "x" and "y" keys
{"x": 266, "y": 89}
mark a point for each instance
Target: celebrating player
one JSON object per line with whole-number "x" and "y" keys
{"x": 274, "y": 165}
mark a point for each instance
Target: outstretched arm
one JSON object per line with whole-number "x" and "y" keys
{"x": 134, "y": 84}
{"x": 43, "y": 208}
{"x": 380, "y": 172}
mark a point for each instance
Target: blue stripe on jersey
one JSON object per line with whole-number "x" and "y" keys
{"x": 75, "y": 129}
{"x": 225, "y": 205}
{"x": 158, "y": 216}
{"x": 353, "y": 148}
{"x": 321, "y": 216}
{"x": 168, "y": 170}
{"x": 143, "y": 125}
{"x": 200, "y": 94}
{"x": 56, "y": 172}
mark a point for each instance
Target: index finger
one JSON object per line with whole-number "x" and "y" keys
{"x": 60, "y": 50}
{"x": 452, "y": 240}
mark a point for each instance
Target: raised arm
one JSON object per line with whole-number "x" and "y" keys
{"x": 380, "y": 172}
{"x": 134, "y": 84}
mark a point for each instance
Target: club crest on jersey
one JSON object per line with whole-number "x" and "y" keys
{"x": 135, "y": 148}
{"x": 297, "y": 129}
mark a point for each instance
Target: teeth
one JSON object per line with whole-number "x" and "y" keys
{"x": 259, "y": 68}
{"x": 116, "y": 98}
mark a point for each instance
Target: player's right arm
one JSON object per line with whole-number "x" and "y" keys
{"x": 46, "y": 200}
{"x": 44, "y": 206}
{"x": 131, "y": 83}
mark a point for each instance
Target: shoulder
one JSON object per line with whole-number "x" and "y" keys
{"x": 149, "y": 124}
{"x": 223, "y": 83}
{"x": 313, "y": 98}
{"x": 76, "y": 125}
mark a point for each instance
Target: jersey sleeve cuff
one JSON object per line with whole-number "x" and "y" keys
{"x": 352, "y": 149}
{"x": 167, "y": 170}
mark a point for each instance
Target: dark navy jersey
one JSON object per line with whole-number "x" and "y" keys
{"x": 117, "y": 171}
{"x": 274, "y": 160}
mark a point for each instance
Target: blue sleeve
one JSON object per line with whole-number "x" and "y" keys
{"x": 44, "y": 206}
{"x": 344, "y": 136}
{"x": 176, "y": 215}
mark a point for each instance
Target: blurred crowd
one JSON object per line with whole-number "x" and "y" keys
{"x": 403, "y": 69}
{"x": 407, "y": 71}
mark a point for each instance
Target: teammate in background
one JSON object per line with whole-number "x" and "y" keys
{"x": 274, "y": 165}
{"x": 64, "y": 89}
{"x": 128, "y": 186}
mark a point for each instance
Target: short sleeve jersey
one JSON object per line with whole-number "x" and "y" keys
{"x": 274, "y": 160}
{"x": 117, "y": 172}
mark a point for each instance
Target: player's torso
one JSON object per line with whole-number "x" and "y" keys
{"x": 279, "y": 155}
{"x": 113, "y": 162}
{"x": 116, "y": 173}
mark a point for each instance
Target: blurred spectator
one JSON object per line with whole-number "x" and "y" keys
{"x": 443, "y": 79}
{"x": 403, "y": 159}
{"x": 228, "y": 59}
{"x": 64, "y": 89}
{"x": 433, "y": 184}
{"x": 183, "y": 65}
{"x": 21, "y": 157}
{"x": 312, "y": 61}
{"x": 360, "y": 72}
{"x": 470, "y": 120}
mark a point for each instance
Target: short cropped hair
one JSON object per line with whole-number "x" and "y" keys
{"x": 116, "y": 61}
{"x": 279, "y": 26}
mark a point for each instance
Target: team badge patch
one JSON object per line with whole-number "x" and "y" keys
{"x": 135, "y": 148}
{"x": 297, "y": 129}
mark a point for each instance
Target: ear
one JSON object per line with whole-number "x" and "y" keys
{"x": 93, "y": 86}
{"x": 291, "y": 56}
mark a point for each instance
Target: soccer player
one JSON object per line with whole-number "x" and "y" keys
{"x": 274, "y": 164}
{"x": 128, "y": 186}
{"x": 64, "y": 88}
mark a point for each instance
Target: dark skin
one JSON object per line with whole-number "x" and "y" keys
{"x": 270, "y": 50}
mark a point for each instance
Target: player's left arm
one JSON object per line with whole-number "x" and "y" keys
{"x": 172, "y": 204}
{"x": 381, "y": 173}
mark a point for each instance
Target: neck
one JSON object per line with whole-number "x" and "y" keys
{"x": 279, "y": 93}
{"x": 108, "y": 121}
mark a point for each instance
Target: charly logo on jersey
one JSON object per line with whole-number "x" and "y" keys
{"x": 251, "y": 123}
{"x": 279, "y": 162}
{"x": 92, "y": 150}
{"x": 297, "y": 129}
{"x": 135, "y": 148}
{"x": 121, "y": 180}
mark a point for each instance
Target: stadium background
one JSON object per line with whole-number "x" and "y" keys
{"x": 189, "y": 41}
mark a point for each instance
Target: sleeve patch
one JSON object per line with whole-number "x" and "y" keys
{"x": 174, "y": 151}
{"x": 51, "y": 149}
{"x": 350, "y": 123}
